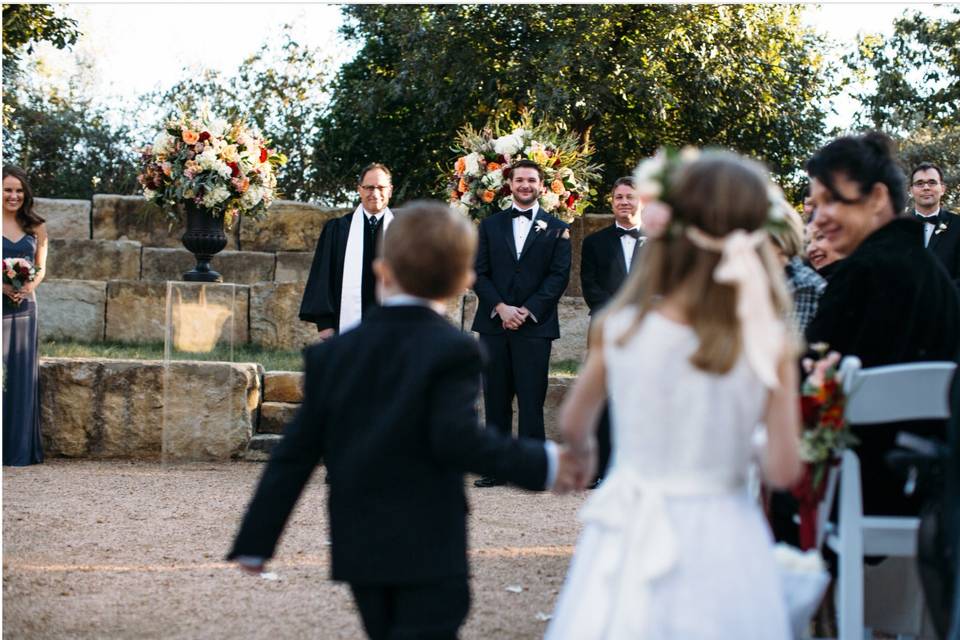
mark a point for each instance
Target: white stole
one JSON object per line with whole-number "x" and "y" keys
{"x": 351, "y": 304}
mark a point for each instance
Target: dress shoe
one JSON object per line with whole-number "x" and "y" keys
{"x": 486, "y": 481}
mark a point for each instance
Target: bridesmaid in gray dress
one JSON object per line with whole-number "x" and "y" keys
{"x": 24, "y": 236}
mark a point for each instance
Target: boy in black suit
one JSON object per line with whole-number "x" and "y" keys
{"x": 389, "y": 407}
{"x": 523, "y": 265}
{"x": 606, "y": 258}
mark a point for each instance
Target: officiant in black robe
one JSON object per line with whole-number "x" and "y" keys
{"x": 341, "y": 287}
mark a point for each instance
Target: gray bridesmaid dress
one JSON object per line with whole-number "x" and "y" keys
{"x": 21, "y": 406}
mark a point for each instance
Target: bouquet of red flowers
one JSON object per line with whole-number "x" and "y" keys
{"x": 17, "y": 272}
{"x": 825, "y": 436}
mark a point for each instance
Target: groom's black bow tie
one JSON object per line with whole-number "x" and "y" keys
{"x": 633, "y": 233}
{"x": 528, "y": 214}
{"x": 931, "y": 220}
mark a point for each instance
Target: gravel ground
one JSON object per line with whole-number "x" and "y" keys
{"x": 134, "y": 549}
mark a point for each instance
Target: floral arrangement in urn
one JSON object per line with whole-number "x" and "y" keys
{"x": 225, "y": 168}
{"x": 478, "y": 184}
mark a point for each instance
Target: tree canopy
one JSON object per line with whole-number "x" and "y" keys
{"x": 628, "y": 77}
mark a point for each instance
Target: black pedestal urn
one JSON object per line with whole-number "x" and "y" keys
{"x": 204, "y": 238}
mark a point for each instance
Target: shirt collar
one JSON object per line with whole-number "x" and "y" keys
{"x": 407, "y": 300}
{"x": 620, "y": 226}
{"x": 373, "y": 215}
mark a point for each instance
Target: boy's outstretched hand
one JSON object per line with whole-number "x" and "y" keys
{"x": 574, "y": 472}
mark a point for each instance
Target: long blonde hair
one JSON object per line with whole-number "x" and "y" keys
{"x": 717, "y": 193}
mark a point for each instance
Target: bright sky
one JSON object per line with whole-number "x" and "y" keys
{"x": 143, "y": 46}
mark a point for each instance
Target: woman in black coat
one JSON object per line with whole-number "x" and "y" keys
{"x": 889, "y": 301}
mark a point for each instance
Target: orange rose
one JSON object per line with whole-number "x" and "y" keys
{"x": 557, "y": 186}
{"x": 190, "y": 137}
{"x": 454, "y": 196}
{"x": 488, "y": 195}
{"x": 492, "y": 166}
{"x": 460, "y": 166}
{"x": 463, "y": 187}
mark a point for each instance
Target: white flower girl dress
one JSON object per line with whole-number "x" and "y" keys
{"x": 673, "y": 548}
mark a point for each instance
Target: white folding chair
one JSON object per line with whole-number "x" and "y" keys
{"x": 914, "y": 391}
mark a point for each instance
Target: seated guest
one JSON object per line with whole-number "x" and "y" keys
{"x": 805, "y": 285}
{"x": 889, "y": 301}
{"x": 820, "y": 253}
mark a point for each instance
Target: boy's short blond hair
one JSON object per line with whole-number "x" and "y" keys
{"x": 430, "y": 248}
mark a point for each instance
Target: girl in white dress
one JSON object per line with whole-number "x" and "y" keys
{"x": 693, "y": 354}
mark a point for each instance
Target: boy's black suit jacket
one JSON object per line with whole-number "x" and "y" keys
{"x": 390, "y": 407}
{"x": 602, "y": 267}
{"x": 536, "y": 280}
{"x": 946, "y": 244}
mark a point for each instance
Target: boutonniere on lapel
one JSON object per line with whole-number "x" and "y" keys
{"x": 940, "y": 228}
{"x": 540, "y": 225}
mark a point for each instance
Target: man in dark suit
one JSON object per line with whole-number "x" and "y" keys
{"x": 523, "y": 266}
{"x": 606, "y": 258}
{"x": 340, "y": 289}
{"x": 941, "y": 229}
{"x": 390, "y": 408}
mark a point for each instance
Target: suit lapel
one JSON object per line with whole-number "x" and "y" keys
{"x": 506, "y": 225}
{"x": 934, "y": 236}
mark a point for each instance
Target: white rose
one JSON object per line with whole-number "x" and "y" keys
{"x": 149, "y": 194}
{"x": 229, "y": 153}
{"x": 460, "y": 208}
{"x": 208, "y": 159}
{"x": 467, "y": 199}
{"x": 251, "y": 198}
{"x": 506, "y": 202}
{"x": 162, "y": 143}
{"x": 217, "y": 127}
{"x": 493, "y": 180}
{"x": 508, "y": 145}
{"x": 649, "y": 189}
{"x": 224, "y": 170}
{"x": 651, "y": 168}
{"x": 473, "y": 164}
{"x": 215, "y": 196}
{"x": 550, "y": 200}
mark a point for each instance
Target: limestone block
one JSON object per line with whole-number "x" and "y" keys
{"x": 283, "y": 386}
{"x": 293, "y": 266}
{"x": 84, "y": 259}
{"x": 133, "y": 218}
{"x": 136, "y": 310}
{"x": 574, "y": 326}
{"x": 260, "y": 446}
{"x": 557, "y": 388}
{"x": 209, "y": 409}
{"x": 470, "y": 302}
{"x": 241, "y": 267}
{"x": 65, "y": 218}
{"x": 101, "y": 408}
{"x": 289, "y": 226}
{"x": 580, "y": 229}
{"x": 71, "y": 309}
{"x": 275, "y": 416}
{"x": 274, "y": 316}
{"x": 455, "y": 311}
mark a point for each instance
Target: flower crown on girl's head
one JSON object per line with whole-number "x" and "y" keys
{"x": 740, "y": 266}
{"x": 654, "y": 177}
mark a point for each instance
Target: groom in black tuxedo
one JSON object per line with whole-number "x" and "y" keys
{"x": 941, "y": 231}
{"x": 606, "y": 258}
{"x": 523, "y": 266}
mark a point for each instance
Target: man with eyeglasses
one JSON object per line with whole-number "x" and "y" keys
{"x": 941, "y": 228}
{"x": 341, "y": 286}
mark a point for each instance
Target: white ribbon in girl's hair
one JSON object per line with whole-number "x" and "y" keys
{"x": 740, "y": 265}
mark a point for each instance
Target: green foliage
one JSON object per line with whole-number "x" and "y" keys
{"x": 627, "y": 78}
{"x": 281, "y": 89}
{"x": 24, "y": 25}
{"x": 69, "y": 146}
{"x": 916, "y": 74}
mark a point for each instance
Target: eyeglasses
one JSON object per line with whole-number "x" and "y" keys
{"x": 370, "y": 188}
{"x": 919, "y": 184}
